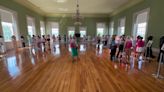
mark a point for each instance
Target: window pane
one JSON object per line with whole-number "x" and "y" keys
{"x": 7, "y": 31}
{"x": 141, "y": 29}
{"x": 140, "y": 24}
{"x": 71, "y": 33}
{"x": 42, "y": 28}
{"x": 100, "y": 31}
{"x": 30, "y": 31}
{"x": 31, "y": 26}
{"x": 55, "y": 32}
{"x": 82, "y": 33}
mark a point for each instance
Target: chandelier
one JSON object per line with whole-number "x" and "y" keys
{"x": 77, "y": 16}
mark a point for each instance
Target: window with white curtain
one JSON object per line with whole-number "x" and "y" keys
{"x": 55, "y": 28}
{"x": 9, "y": 24}
{"x": 82, "y": 31}
{"x": 42, "y": 28}
{"x": 100, "y": 29}
{"x": 31, "y": 26}
{"x": 121, "y": 27}
{"x": 140, "y": 24}
{"x": 111, "y": 28}
{"x": 71, "y": 31}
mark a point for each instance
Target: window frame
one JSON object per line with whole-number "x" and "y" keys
{"x": 134, "y": 28}
{"x": 102, "y": 27}
{"x": 54, "y": 27}
{"x": 85, "y": 29}
{"x": 70, "y": 30}
{"x": 33, "y": 24}
{"x": 15, "y": 23}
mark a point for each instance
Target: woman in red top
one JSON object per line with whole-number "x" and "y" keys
{"x": 73, "y": 46}
{"x": 140, "y": 46}
{"x": 128, "y": 46}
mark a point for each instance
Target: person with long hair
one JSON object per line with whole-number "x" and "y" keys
{"x": 128, "y": 46}
{"x": 121, "y": 45}
{"x": 140, "y": 46}
{"x": 74, "y": 48}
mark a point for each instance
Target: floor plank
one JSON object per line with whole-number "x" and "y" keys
{"x": 55, "y": 72}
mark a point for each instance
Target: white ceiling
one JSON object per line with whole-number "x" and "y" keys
{"x": 69, "y": 6}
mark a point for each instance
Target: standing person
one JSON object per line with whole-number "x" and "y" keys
{"x": 98, "y": 42}
{"x": 113, "y": 48}
{"x": 39, "y": 41}
{"x": 2, "y": 45}
{"x": 54, "y": 39}
{"x": 59, "y": 38}
{"x": 33, "y": 43}
{"x": 106, "y": 40}
{"x": 14, "y": 43}
{"x": 23, "y": 41}
{"x": 132, "y": 60}
{"x": 121, "y": 45}
{"x": 135, "y": 42}
{"x": 103, "y": 40}
{"x": 74, "y": 51}
{"x": 65, "y": 39}
{"x": 149, "y": 52}
{"x": 128, "y": 46}
{"x": 48, "y": 42}
{"x": 140, "y": 46}
{"x": 44, "y": 42}
{"x": 160, "y": 46}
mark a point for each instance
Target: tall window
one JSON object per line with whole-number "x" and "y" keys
{"x": 71, "y": 31}
{"x": 9, "y": 24}
{"x": 42, "y": 28}
{"x": 55, "y": 28}
{"x": 140, "y": 23}
{"x": 111, "y": 28}
{"x": 82, "y": 31}
{"x": 100, "y": 29}
{"x": 121, "y": 26}
{"x": 31, "y": 26}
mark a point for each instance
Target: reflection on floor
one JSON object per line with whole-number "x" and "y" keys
{"x": 53, "y": 71}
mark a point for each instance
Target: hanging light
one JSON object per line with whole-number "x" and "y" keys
{"x": 77, "y": 16}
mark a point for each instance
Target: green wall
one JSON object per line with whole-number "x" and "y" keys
{"x": 64, "y": 22}
{"x": 88, "y": 22}
{"x": 155, "y": 23}
{"x": 22, "y": 13}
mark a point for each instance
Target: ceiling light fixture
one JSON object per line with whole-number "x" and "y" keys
{"x": 77, "y": 16}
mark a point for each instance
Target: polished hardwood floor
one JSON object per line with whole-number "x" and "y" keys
{"x": 53, "y": 71}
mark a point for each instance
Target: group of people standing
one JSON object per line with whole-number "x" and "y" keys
{"x": 127, "y": 49}
{"x": 43, "y": 43}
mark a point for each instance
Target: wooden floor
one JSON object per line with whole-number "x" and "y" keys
{"x": 55, "y": 72}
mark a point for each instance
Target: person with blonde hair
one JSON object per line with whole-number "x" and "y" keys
{"x": 128, "y": 46}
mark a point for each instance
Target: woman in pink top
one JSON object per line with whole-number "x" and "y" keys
{"x": 140, "y": 45}
{"x": 128, "y": 46}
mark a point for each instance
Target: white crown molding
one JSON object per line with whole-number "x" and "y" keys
{"x": 30, "y": 6}
{"x": 125, "y": 6}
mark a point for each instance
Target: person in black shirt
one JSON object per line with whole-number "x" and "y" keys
{"x": 23, "y": 41}
{"x": 160, "y": 46}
